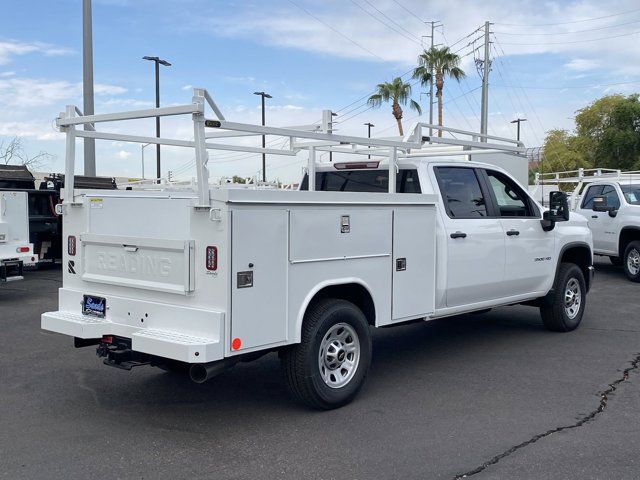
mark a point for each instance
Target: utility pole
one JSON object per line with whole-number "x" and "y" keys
{"x": 434, "y": 24}
{"x": 158, "y": 61}
{"x": 327, "y": 126}
{"x": 486, "y": 67}
{"x": 369, "y": 126}
{"x": 518, "y": 120}
{"x": 264, "y": 155}
{"x": 87, "y": 86}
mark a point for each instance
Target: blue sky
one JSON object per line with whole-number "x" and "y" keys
{"x": 309, "y": 56}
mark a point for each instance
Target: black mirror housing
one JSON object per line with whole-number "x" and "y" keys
{"x": 558, "y": 207}
{"x": 600, "y": 204}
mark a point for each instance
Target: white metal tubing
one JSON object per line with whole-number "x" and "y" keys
{"x": 393, "y": 155}
{"x": 283, "y": 132}
{"x": 202, "y": 92}
{"x": 180, "y": 143}
{"x": 70, "y": 160}
{"x": 132, "y": 115}
{"x": 312, "y": 169}
{"x": 418, "y": 125}
{"x": 468, "y": 143}
{"x": 202, "y": 156}
{"x": 444, "y": 153}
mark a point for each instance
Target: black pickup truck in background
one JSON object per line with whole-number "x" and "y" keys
{"x": 45, "y": 225}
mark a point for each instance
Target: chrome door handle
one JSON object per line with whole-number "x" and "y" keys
{"x": 512, "y": 233}
{"x": 458, "y": 235}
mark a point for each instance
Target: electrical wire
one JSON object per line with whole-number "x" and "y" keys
{"x": 574, "y": 41}
{"x": 391, "y": 20}
{"x": 335, "y": 30}
{"x": 571, "y": 32}
{"x": 569, "y": 22}
{"x": 412, "y": 38}
{"x": 408, "y": 11}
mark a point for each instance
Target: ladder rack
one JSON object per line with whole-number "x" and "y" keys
{"x": 312, "y": 138}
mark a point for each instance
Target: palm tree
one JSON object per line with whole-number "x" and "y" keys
{"x": 444, "y": 64}
{"x": 399, "y": 93}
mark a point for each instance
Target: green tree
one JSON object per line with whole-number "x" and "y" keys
{"x": 562, "y": 152}
{"x": 398, "y": 93}
{"x": 443, "y": 63}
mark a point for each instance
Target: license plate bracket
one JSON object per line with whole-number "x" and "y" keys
{"x": 94, "y": 306}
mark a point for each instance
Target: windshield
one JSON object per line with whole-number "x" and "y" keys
{"x": 631, "y": 193}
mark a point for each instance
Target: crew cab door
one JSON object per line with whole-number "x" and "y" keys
{"x": 605, "y": 229}
{"x": 529, "y": 249}
{"x": 475, "y": 241}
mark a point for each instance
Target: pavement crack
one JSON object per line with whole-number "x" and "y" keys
{"x": 604, "y": 398}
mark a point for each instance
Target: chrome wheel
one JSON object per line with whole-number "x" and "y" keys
{"x": 572, "y": 298}
{"x": 633, "y": 262}
{"x": 339, "y": 355}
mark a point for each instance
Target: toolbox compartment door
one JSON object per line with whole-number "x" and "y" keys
{"x": 414, "y": 262}
{"x": 138, "y": 262}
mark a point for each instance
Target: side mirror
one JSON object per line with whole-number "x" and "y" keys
{"x": 600, "y": 204}
{"x": 558, "y": 210}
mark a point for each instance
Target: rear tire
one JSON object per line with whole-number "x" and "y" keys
{"x": 632, "y": 261}
{"x": 328, "y": 367}
{"x": 617, "y": 261}
{"x": 565, "y": 311}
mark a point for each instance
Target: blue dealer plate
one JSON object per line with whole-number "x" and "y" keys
{"x": 96, "y": 306}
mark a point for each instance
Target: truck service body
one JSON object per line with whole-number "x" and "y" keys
{"x": 15, "y": 249}
{"x": 203, "y": 278}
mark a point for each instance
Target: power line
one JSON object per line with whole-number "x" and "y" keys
{"x": 569, "y": 22}
{"x": 408, "y": 11}
{"x": 390, "y": 19}
{"x": 576, "y": 41}
{"x": 577, "y": 87}
{"x": 571, "y": 32}
{"x": 335, "y": 30}
{"x": 414, "y": 39}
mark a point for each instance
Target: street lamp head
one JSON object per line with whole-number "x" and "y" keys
{"x": 369, "y": 124}
{"x": 519, "y": 120}
{"x": 263, "y": 94}
{"x": 157, "y": 59}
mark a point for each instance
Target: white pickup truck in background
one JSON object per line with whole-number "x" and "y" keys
{"x": 15, "y": 249}
{"x": 199, "y": 279}
{"x": 610, "y": 201}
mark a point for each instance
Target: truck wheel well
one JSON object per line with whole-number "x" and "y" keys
{"x": 627, "y": 236}
{"x": 581, "y": 256}
{"x": 352, "y": 292}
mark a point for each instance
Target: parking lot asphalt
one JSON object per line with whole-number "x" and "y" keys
{"x": 493, "y": 395}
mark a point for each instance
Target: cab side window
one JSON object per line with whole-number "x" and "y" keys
{"x": 461, "y": 192}
{"x": 592, "y": 192}
{"x": 511, "y": 200}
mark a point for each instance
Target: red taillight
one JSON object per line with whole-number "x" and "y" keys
{"x": 22, "y": 249}
{"x": 71, "y": 245}
{"x": 107, "y": 339}
{"x": 212, "y": 258}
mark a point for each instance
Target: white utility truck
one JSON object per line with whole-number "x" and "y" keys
{"x": 202, "y": 278}
{"x": 15, "y": 250}
{"x": 610, "y": 200}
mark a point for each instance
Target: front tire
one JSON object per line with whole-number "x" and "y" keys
{"x": 564, "y": 313}
{"x": 328, "y": 367}
{"x": 632, "y": 261}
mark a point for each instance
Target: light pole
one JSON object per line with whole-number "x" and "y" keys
{"x": 518, "y": 120}
{"x": 264, "y": 155}
{"x": 158, "y": 61}
{"x": 142, "y": 147}
{"x": 369, "y": 125}
{"x": 87, "y": 86}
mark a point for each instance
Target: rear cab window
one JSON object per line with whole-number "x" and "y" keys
{"x": 407, "y": 181}
{"x": 461, "y": 192}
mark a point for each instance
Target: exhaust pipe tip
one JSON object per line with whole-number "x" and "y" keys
{"x": 201, "y": 372}
{"x": 198, "y": 373}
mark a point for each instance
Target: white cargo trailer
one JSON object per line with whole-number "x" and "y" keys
{"x": 15, "y": 249}
{"x": 202, "y": 278}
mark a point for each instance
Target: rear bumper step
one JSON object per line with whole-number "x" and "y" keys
{"x": 157, "y": 342}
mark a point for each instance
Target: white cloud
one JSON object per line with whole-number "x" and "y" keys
{"x": 123, "y": 154}
{"x": 12, "y": 48}
{"x": 187, "y": 87}
{"x": 30, "y": 92}
{"x": 582, "y": 64}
